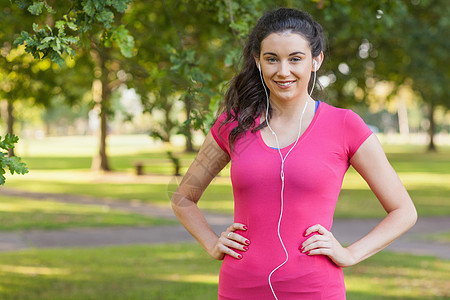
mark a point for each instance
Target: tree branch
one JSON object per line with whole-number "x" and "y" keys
{"x": 235, "y": 34}
{"x": 174, "y": 24}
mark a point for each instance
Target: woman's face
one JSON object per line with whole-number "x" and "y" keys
{"x": 286, "y": 65}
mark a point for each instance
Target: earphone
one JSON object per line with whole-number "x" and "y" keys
{"x": 283, "y": 159}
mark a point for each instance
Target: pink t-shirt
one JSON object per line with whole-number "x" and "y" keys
{"x": 314, "y": 171}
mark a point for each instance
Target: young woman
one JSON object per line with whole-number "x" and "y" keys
{"x": 288, "y": 154}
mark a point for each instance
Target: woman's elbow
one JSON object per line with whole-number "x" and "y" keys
{"x": 179, "y": 200}
{"x": 410, "y": 216}
{"x": 413, "y": 215}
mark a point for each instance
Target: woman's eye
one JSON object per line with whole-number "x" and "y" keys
{"x": 296, "y": 59}
{"x": 272, "y": 59}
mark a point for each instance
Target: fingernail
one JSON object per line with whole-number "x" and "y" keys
{"x": 247, "y": 242}
{"x": 245, "y": 248}
{"x": 239, "y": 256}
{"x": 245, "y": 227}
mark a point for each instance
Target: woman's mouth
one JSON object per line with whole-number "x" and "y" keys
{"x": 285, "y": 84}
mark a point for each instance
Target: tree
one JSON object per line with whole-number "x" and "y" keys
{"x": 419, "y": 55}
{"x": 88, "y": 24}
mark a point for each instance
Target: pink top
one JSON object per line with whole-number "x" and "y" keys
{"x": 314, "y": 171}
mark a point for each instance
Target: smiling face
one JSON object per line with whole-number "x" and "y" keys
{"x": 286, "y": 65}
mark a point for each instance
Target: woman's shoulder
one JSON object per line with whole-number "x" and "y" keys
{"x": 223, "y": 120}
{"x": 334, "y": 112}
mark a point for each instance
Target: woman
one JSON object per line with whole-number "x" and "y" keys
{"x": 288, "y": 154}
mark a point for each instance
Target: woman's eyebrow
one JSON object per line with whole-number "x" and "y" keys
{"x": 293, "y": 53}
{"x": 297, "y": 52}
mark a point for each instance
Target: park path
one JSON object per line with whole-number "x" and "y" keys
{"x": 346, "y": 231}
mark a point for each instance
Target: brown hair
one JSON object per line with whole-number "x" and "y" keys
{"x": 245, "y": 99}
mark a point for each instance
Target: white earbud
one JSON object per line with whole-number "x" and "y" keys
{"x": 315, "y": 65}
{"x": 259, "y": 65}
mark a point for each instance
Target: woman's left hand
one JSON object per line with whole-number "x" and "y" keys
{"x": 325, "y": 243}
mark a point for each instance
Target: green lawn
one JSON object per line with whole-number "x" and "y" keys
{"x": 184, "y": 271}
{"x": 425, "y": 175}
{"x": 21, "y": 214}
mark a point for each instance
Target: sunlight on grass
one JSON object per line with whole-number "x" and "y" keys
{"x": 85, "y": 145}
{"x": 22, "y": 213}
{"x": 33, "y": 271}
{"x": 400, "y": 276}
{"x": 185, "y": 271}
{"x": 194, "y": 278}
{"x": 425, "y": 175}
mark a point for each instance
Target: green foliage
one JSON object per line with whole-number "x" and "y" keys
{"x": 36, "y": 8}
{"x": 13, "y": 163}
{"x": 124, "y": 40}
{"x": 185, "y": 65}
{"x": 59, "y": 40}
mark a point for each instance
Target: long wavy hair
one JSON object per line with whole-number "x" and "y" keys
{"x": 245, "y": 99}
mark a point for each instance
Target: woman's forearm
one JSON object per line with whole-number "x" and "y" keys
{"x": 194, "y": 221}
{"x": 387, "y": 231}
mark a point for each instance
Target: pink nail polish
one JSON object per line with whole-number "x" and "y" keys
{"x": 245, "y": 227}
{"x": 245, "y": 248}
{"x": 247, "y": 242}
{"x": 240, "y": 256}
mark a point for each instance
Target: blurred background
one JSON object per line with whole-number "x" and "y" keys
{"x": 112, "y": 99}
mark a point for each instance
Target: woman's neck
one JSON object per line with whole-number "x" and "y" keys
{"x": 289, "y": 110}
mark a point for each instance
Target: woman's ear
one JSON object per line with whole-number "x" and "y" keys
{"x": 258, "y": 63}
{"x": 317, "y": 62}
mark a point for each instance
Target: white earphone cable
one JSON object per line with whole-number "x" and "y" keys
{"x": 283, "y": 159}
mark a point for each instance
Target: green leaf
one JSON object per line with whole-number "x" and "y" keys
{"x": 71, "y": 39}
{"x": 35, "y": 27}
{"x": 48, "y": 39}
{"x": 88, "y": 8}
{"x": 60, "y": 24}
{"x": 22, "y": 38}
{"x": 124, "y": 40}
{"x": 72, "y": 26}
{"x": 8, "y": 142}
{"x": 50, "y": 9}
{"x": 120, "y": 5}
{"x": 36, "y": 8}
{"x": 15, "y": 165}
{"x": 56, "y": 58}
{"x": 23, "y": 3}
{"x": 106, "y": 17}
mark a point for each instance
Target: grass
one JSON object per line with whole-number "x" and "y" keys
{"x": 185, "y": 271}
{"x": 425, "y": 175}
{"x": 23, "y": 213}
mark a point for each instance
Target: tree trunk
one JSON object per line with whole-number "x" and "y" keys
{"x": 101, "y": 95}
{"x": 188, "y": 133}
{"x": 432, "y": 129}
{"x": 402, "y": 112}
{"x": 10, "y": 124}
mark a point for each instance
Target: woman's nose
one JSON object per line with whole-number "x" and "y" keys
{"x": 284, "y": 69}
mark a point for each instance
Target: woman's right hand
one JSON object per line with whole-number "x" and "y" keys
{"x": 230, "y": 240}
